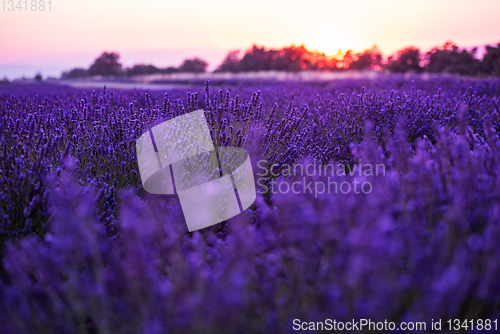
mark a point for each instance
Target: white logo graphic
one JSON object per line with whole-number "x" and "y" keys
{"x": 213, "y": 184}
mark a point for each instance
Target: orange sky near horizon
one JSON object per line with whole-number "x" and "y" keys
{"x": 164, "y": 33}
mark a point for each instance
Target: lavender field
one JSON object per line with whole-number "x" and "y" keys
{"x": 86, "y": 250}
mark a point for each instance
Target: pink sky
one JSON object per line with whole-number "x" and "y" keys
{"x": 164, "y": 33}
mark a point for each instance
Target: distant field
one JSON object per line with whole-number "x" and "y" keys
{"x": 166, "y": 81}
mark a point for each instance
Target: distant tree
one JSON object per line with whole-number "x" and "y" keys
{"x": 348, "y": 57}
{"x": 230, "y": 63}
{"x": 449, "y": 59}
{"x": 405, "y": 60}
{"x": 370, "y": 59}
{"x": 491, "y": 60}
{"x": 256, "y": 59}
{"x": 38, "y": 77}
{"x": 107, "y": 65}
{"x": 75, "y": 74}
{"x": 291, "y": 58}
{"x": 168, "y": 70}
{"x": 4, "y": 81}
{"x": 320, "y": 61}
{"x": 194, "y": 65}
{"x": 141, "y": 70}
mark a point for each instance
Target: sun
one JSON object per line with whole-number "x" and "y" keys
{"x": 329, "y": 43}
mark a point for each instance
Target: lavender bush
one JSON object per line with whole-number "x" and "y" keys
{"x": 86, "y": 249}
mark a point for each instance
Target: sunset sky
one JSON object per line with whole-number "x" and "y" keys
{"x": 164, "y": 33}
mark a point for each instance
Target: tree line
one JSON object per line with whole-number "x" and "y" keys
{"x": 107, "y": 64}
{"x": 448, "y": 58}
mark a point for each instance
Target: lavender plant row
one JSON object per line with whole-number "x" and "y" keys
{"x": 85, "y": 249}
